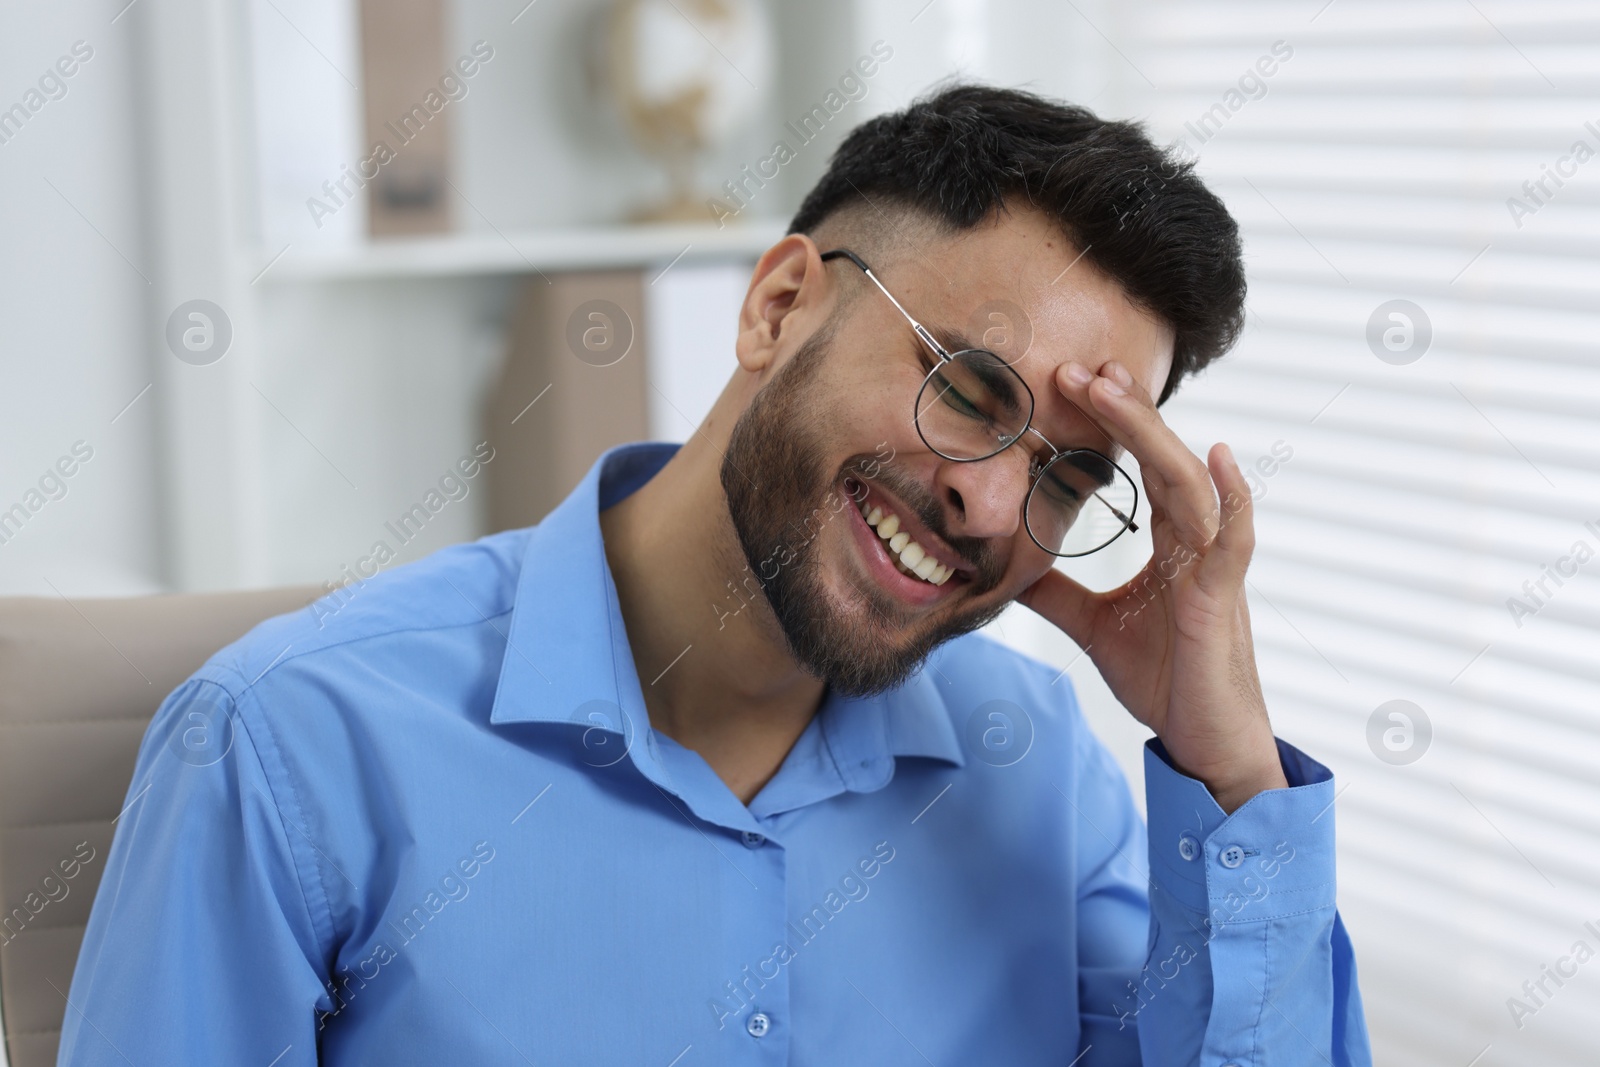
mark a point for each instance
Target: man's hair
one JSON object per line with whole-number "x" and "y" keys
{"x": 1137, "y": 212}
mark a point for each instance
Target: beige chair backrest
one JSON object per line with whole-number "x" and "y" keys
{"x": 79, "y": 682}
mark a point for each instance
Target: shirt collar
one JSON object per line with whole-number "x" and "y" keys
{"x": 567, "y": 651}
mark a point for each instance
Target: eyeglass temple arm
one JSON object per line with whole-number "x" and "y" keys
{"x": 1129, "y": 523}
{"x": 921, "y": 331}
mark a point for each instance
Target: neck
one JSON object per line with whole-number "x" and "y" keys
{"x": 716, "y": 673}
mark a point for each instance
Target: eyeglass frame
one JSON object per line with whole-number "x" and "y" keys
{"x": 1036, "y": 468}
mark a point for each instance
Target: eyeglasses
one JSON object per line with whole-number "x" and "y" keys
{"x": 974, "y": 405}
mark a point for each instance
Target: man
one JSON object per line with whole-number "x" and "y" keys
{"x": 700, "y": 770}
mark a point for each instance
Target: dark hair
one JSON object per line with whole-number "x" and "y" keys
{"x": 1139, "y": 212}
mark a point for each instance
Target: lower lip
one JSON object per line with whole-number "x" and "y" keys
{"x": 876, "y": 553}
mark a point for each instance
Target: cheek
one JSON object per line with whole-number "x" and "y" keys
{"x": 877, "y": 405}
{"x": 872, "y": 420}
{"x": 871, "y": 391}
{"x": 1028, "y": 564}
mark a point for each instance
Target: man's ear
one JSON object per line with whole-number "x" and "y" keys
{"x": 788, "y": 290}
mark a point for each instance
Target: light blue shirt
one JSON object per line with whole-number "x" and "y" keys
{"x": 427, "y": 821}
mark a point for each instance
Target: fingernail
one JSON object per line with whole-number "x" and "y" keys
{"x": 1120, "y": 373}
{"x": 1078, "y": 374}
{"x": 1113, "y": 388}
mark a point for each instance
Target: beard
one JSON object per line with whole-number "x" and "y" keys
{"x": 781, "y": 492}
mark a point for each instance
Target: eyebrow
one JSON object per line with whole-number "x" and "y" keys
{"x": 1096, "y": 468}
{"x": 953, "y": 340}
{"x": 1001, "y": 385}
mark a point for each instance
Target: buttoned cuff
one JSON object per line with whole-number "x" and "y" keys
{"x": 1273, "y": 857}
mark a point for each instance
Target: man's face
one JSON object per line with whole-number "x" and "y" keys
{"x": 831, "y": 438}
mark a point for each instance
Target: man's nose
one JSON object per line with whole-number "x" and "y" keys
{"x": 984, "y": 498}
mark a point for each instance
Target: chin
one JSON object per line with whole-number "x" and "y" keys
{"x": 862, "y": 642}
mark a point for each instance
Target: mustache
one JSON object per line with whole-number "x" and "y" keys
{"x": 977, "y": 552}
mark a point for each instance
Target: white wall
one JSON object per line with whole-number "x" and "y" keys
{"x": 359, "y": 393}
{"x": 73, "y": 324}
{"x": 376, "y": 389}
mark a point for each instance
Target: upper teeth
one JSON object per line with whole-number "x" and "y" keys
{"x": 909, "y": 557}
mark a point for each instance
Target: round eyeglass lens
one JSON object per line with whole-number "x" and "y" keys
{"x": 972, "y": 405}
{"x": 1080, "y": 503}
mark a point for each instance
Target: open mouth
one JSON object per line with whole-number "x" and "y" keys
{"x": 914, "y": 560}
{"x": 907, "y": 556}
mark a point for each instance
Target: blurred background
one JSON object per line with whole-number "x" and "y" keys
{"x": 242, "y": 346}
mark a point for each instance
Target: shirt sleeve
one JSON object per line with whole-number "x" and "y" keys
{"x": 1249, "y": 963}
{"x": 200, "y": 947}
{"x": 1113, "y": 909}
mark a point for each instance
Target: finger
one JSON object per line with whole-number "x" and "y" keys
{"x": 1175, "y": 477}
{"x": 1225, "y": 564}
{"x": 1065, "y": 603}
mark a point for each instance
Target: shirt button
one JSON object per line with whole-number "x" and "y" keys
{"x": 752, "y": 839}
{"x": 1232, "y": 856}
{"x": 1188, "y": 846}
{"x": 758, "y": 1024}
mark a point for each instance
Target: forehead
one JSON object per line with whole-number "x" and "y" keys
{"x": 1017, "y": 285}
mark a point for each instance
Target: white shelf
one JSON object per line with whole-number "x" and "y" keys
{"x": 522, "y": 252}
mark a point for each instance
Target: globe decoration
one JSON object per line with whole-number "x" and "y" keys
{"x": 684, "y": 75}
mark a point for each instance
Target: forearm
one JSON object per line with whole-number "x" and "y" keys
{"x": 1249, "y": 963}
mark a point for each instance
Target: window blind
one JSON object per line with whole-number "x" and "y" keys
{"x": 1445, "y": 469}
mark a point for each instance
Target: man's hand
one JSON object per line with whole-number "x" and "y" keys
{"x": 1174, "y": 643}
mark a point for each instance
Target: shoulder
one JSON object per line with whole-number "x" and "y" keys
{"x": 977, "y": 665}
{"x": 985, "y": 680}
{"x": 456, "y": 588}
{"x": 336, "y": 701}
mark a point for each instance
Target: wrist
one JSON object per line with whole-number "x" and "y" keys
{"x": 1231, "y": 798}
{"x": 1230, "y": 786}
